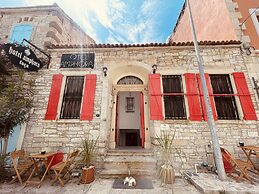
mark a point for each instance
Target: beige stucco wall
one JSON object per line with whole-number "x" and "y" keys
{"x": 191, "y": 137}
{"x": 211, "y": 19}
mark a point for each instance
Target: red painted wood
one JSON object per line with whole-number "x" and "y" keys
{"x": 210, "y": 96}
{"x": 226, "y": 161}
{"x": 142, "y": 119}
{"x": 54, "y": 96}
{"x": 193, "y": 97}
{"x": 155, "y": 97}
{"x": 88, "y": 97}
{"x": 116, "y": 121}
{"x": 244, "y": 96}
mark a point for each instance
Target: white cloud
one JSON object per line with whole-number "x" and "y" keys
{"x": 122, "y": 24}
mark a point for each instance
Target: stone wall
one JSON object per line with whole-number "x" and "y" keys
{"x": 50, "y": 25}
{"x": 192, "y": 137}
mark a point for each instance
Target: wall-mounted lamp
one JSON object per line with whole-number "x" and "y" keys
{"x": 105, "y": 69}
{"x": 247, "y": 48}
{"x": 154, "y": 67}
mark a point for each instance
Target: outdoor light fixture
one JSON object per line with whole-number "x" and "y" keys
{"x": 154, "y": 67}
{"x": 247, "y": 48}
{"x": 105, "y": 69}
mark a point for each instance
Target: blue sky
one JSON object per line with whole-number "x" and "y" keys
{"x": 117, "y": 21}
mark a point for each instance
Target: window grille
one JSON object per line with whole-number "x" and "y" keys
{"x": 129, "y": 80}
{"x": 71, "y": 104}
{"x": 224, "y": 97}
{"x": 173, "y": 97}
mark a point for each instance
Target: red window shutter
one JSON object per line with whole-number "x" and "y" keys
{"x": 193, "y": 97}
{"x": 54, "y": 95}
{"x": 155, "y": 96}
{"x": 244, "y": 96}
{"x": 211, "y": 97}
{"x": 88, "y": 97}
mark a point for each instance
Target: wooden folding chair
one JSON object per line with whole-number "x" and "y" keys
{"x": 21, "y": 164}
{"x": 62, "y": 169}
{"x": 238, "y": 166}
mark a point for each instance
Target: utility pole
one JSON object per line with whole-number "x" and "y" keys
{"x": 213, "y": 129}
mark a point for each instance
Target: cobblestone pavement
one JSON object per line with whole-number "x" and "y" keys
{"x": 99, "y": 186}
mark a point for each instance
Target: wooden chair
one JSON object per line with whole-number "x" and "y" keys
{"x": 235, "y": 165}
{"x": 62, "y": 169}
{"x": 21, "y": 164}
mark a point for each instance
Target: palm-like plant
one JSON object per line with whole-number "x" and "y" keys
{"x": 167, "y": 174}
{"x": 89, "y": 151}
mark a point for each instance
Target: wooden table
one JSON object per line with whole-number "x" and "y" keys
{"x": 37, "y": 159}
{"x": 249, "y": 152}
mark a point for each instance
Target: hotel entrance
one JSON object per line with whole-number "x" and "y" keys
{"x": 128, "y": 117}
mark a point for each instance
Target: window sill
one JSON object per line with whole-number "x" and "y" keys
{"x": 67, "y": 121}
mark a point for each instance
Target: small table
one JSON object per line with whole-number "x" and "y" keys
{"x": 251, "y": 151}
{"x": 38, "y": 158}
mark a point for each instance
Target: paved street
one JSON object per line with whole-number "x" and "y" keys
{"x": 99, "y": 186}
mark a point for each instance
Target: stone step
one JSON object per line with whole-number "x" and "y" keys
{"x": 118, "y": 162}
{"x": 131, "y": 152}
{"x": 131, "y": 166}
{"x": 144, "y": 159}
{"x": 123, "y": 173}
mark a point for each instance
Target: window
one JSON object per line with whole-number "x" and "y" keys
{"x": 130, "y": 104}
{"x": 20, "y": 32}
{"x": 173, "y": 97}
{"x": 224, "y": 97}
{"x": 255, "y": 18}
{"x": 72, "y": 98}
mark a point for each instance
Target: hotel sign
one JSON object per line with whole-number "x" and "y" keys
{"x": 22, "y": 57}
{"x": 82, "y": 60}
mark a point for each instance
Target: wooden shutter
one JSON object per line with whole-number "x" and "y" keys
{"x": 244, "y": 96}
{"x": 155, "y": 96}
{"x": 20, "y": 32}
{"x": 193, "y": 97}
{"x": 54, "y": 95}
{"x": 88, "y": 97}
{"x": 210, "y": 95}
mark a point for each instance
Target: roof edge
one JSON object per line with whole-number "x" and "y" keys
{"x": 178, "y": 20}
{"x": 208, "y": 43}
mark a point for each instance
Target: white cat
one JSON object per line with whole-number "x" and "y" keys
{"x": 130, "y": 180}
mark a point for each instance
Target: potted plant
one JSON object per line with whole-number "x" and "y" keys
{"x": 88, "y": 154}
{"x": 166, "y": 172}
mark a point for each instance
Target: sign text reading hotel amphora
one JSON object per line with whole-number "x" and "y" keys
{"x": 22, "y": 57}
{"x": 81, "y": 60}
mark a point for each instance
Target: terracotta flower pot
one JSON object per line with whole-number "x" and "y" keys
{"x": 87, "y": 175}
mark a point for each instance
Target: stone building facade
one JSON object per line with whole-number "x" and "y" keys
{"x": 225, "y": 20}
{"x": 128, "y": 94}
{"x": 42, "y": 26}
{"x": 130, "y": 76}
{"x": 45, "y": 25}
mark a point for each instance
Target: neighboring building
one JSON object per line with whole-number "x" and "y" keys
{"x": 250, "y": 27}
{"x": 42, "y": 26}
{"x": 129, "y": 105}
{"x": 211, "y": 19}
{"x": 220, "y": 20}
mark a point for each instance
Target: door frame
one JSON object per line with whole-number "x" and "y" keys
{"x": 129, "y": 88}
